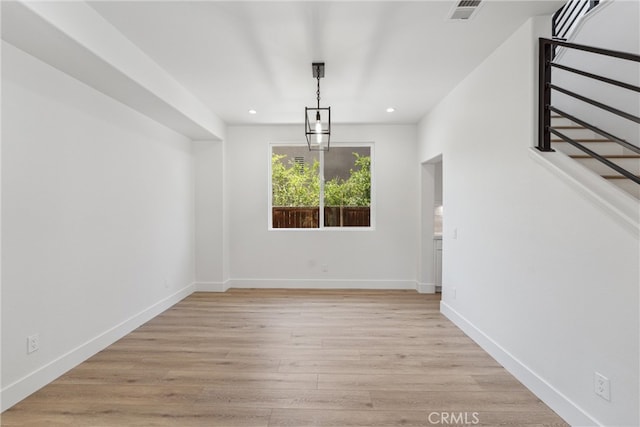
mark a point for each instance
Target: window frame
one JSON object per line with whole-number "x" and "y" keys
{"x": 321, "y": 226}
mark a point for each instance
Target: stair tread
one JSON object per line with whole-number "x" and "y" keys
{"x": 607, "y": 156}
{"x": 616, "y": 176}
{"x": 568, "y": 127}
{"x": 583, "y": 140}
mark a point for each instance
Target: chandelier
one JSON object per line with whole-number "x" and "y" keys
{"x": 318, "y": 120}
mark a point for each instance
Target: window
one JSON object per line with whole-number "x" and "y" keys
{"x": 320, "y": 189}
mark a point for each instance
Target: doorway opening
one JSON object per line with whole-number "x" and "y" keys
{"x": 432, "y": 218}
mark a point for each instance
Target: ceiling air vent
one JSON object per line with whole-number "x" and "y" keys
{"x": 464, "y": 10}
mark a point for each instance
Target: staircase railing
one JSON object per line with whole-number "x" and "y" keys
{"x": 566, "y": 18}
{"x": 546, "y": 107}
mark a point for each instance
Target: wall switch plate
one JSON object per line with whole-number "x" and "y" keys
{"x": 602, "y": 386}
{"x": 33, "y": 343}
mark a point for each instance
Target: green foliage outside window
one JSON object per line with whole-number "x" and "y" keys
{"x": 294, "y": 184}
{"x": 354, "y": 191}
{"x": 298, "y": 184}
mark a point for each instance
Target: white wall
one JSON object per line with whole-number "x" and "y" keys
{"x": 210, "y": 238}
{"x": 383, "y": 257}
{"x": 97, "y": 220}
{"x": 544, "y": 279}
{"x": 597, "y": 29}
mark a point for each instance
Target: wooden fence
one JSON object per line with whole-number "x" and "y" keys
{"x": 347, "y": 216}
{"x": 308, "y": 217}
{"x": 290, "y": 217}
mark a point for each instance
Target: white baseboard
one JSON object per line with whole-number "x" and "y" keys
{"x": 321, "y": 284}
{"x": 557, "y": 401}
{"x": 212, "y": 286}
{"x": 15, "y": 392}
{"x": 426, "y": 288}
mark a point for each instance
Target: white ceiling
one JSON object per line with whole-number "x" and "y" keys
{"x": 239, "y": 55}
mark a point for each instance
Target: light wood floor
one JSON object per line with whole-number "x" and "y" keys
{"x": 288, "y": 358}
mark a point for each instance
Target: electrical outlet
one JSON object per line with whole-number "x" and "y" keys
{"x": 166, "y": 283}
{"x": 455, "y": 293}
{"x": 33, "y": 343}
{"x": 602, "y": 386}
{"x": 324, "y": 268}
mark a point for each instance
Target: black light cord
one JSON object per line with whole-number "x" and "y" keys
{"x": 318, "y": 77}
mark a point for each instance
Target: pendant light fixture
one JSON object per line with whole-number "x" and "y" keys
{"x": 318, "y": 120}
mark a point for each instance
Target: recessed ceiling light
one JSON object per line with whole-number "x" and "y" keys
{"x": 252, "y": 111}
{"x": 390, "y": 110}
